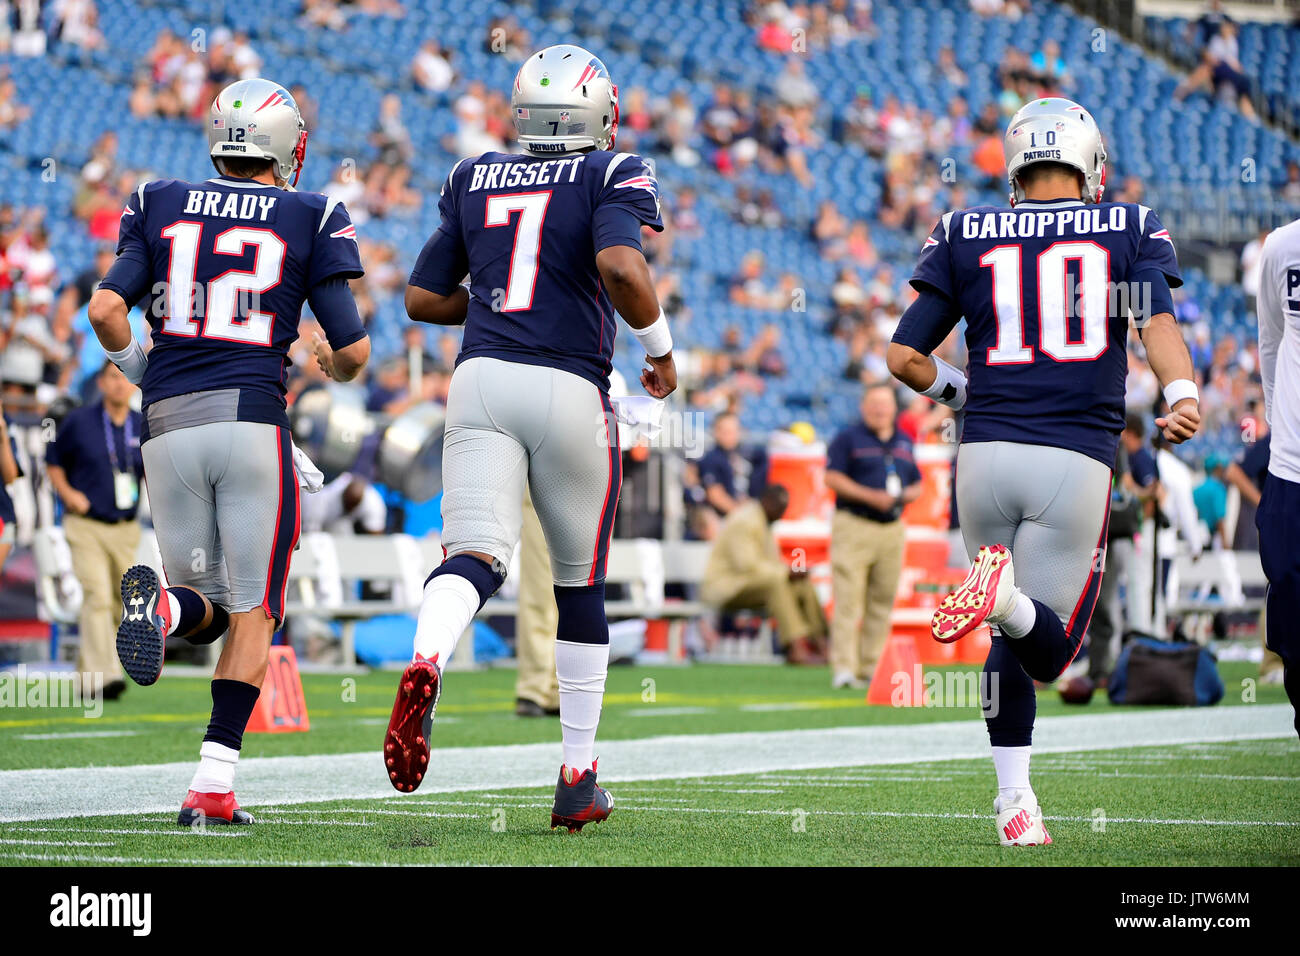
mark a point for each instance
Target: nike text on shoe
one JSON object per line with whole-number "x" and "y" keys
{"x": 146, "y": 618}
{"x": 1022, "y": 826}
{"x": 406, "y": 745}
{"x": 989, "y": 591}
{"x": 579, "y": 801}
{"x": 200, "y": 809}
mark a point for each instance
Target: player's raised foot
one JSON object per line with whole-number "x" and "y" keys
{"x": 988, "y": 591}
{"x": 579, "y": 801}
{"x": 1020, "y": 821}
{"x": 406, "y": 745}
{"x": 201, "y": 809}
{"x": 146, "y": 619}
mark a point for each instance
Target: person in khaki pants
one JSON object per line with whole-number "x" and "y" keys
{"x": 745, "y": 571}
{"x": 871, "y": 469}
{"x": 95, "y": 466}
{"x": 537, "y": 689}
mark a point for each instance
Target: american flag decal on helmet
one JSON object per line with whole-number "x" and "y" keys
{"x": 277, "y": 98}
{"x": 347, "y": 232}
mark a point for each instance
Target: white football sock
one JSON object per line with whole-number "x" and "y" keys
{"x": 449, "y": 605}
{"x": 1012, "y": 766}
{"x": 216, "y": 773}
{"x": 581, "y": 669}
{"x": 1020, "y": 621}
{"x": 174, "y": 607}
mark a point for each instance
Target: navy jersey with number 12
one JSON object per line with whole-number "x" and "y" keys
{"x": 527, "y": 229}
{"x": 1046, "y": 289}
{"x": 225, "y": 267}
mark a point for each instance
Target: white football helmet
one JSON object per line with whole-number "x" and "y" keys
{"x": 258, "y": 119}
{"x": 563, "y": 100}
{"x": 1056, "y": 130}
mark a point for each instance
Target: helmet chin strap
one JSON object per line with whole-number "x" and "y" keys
{"x": 299, "y": 156}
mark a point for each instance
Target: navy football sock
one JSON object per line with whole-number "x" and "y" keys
{"x": 1047, "y": 649}
{"x": 582, "y": 614}
{"x": 219, "y": 624}
{"x": 232, "y": 704}
{"x": 485, "y": 578}
{"x": 192, "y": 607}
{"x": 1008, "y": 697}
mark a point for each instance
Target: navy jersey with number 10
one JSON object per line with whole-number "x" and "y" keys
{"x": 527, "y": 229}
{"x": 1046, "y": 289}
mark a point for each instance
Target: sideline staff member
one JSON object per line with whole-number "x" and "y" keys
{"x": 871, "y": 470}
{"x": 95, "y": 466}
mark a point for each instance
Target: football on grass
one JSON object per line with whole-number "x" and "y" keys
{"x": 1077, "y": 690}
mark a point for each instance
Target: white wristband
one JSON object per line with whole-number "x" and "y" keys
{"x": 949, "y": 386}
{"x": 1180, "y": 389}
{"x": 655, "y": 337}
{"x": 131, "y": 360}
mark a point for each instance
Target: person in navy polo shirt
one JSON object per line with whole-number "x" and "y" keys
{"x": 95, "y": 466}
{"x": 871, "y": 470}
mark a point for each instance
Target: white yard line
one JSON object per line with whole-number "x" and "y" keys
{"x": 78, "y": 734}
{"x": 140, "y": 790}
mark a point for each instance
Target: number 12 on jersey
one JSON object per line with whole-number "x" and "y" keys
{"x": 1055, "y": 303}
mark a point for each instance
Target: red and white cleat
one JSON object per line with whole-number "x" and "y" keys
{"x": 989, "y": 591}
{"x": 406, "y": 745}
{"x": 200, "y": 809}
{"x": 1022, "y": 826}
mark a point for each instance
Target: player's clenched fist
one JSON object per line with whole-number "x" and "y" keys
{"x": 660, "y": 379}
{"x": 1182, "y": 421}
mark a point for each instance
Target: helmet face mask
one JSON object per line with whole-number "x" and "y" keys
{"x": 1056, "y": 130}
{"x": 563, "y": 101}
{"x": 258, "y": 119}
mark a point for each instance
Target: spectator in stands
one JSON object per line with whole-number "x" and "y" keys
{"x": 749, "y": 289}
{"x": 730, "y": 474}
{"x": 793, "y": 88}
{"x": 1049, "y": 70}
{"x": 77, "y": 23}
{"x": 871, "y": 469}
{"x": 390, "y": 135}
{"x": 1220, "y": 70}
{"x": 1290, "y": 189}
{"x": 745, "y": 572}
{"x": 95, "y": 466}
{"x": 431, "y": 67}
{"x": 946, "y": 67}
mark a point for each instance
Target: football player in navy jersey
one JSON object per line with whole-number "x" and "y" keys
{"x": 1046, "y": 287}
{"x": 223, "y": 268}
{"x": 551, "y": 242}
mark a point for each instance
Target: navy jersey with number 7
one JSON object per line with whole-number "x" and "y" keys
{"x": 1046, "y": 289}
{"x": 527, "y": 229}
{"x": 224, "y": 267}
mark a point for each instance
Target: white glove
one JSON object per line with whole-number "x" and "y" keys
{"x": 640, "y": 412}
{"x": 309, "y": 476}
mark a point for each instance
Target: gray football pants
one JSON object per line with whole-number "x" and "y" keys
{"x": 1049, "y": 506}
{"x": 224, "y": 498}
{"x": 511, "y": 425}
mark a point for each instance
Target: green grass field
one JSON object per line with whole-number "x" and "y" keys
{"x": 1184, "y": 802}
